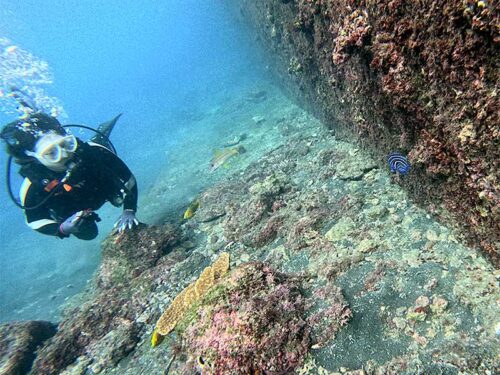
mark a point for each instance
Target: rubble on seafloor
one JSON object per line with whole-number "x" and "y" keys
{"x": 333, "y": 270}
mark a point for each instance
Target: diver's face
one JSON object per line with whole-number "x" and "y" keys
{"x": 54, "y": 150}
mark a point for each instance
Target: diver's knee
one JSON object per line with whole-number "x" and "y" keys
{"x": 86, "y": 236}
{"x": 88, "y": 232}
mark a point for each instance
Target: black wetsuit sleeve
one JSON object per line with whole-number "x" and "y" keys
{"x": 123, "y": 178}
{"x": 130, "y": 201}
{"x": 38, "y": 219}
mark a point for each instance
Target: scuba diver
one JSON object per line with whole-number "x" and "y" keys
{"x": 66, "y": 179}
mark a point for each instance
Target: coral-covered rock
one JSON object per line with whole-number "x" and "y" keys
{"x": 18, "y": 343}
{"x": 354, "y": 168}
{"x": 127, "y": 255}
{"x": 213, "y": 202}
{"x": 105, "y": 327}
{"x": 416, "y": 76}
{"x": 330, "y": 312}
{"x": 85, "y": 326}
{"x": 114, "y": 346}
{"x": 273, "y": 209}
{"x": 254, "y": 323}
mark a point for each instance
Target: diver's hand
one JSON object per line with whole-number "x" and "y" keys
{"x": 126, "y": 220}
{"x": 73, "y": 223}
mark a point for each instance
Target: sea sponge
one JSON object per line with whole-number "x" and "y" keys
{"x": 192, "y": 293}
{"x": 221, "y": 266}
{"x": 169, "y": 318}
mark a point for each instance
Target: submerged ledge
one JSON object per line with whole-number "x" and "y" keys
{"x": 416, "y": 76}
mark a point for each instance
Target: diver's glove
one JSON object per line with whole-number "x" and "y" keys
{"x": 73, "y": 223}
{"x": 126, "y": 220}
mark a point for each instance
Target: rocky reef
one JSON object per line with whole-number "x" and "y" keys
{"x": 18, "y": 344}
{"x": 103, "y": 326}
{"x": 420, "y": 77}
{"x": 332, "y": 270}
{"x": 253, "y": 323}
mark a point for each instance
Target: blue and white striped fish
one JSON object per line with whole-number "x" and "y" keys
{"x": 398, "y": 163}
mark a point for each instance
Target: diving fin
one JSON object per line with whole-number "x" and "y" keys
{"x": 105, "y": 128}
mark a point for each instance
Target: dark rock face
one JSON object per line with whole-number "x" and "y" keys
{"x": 415, "y": 76}
{"x": 127, "y": 256}
{"x": 18, "y": 342}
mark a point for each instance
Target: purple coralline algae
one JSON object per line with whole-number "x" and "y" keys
{"x": 255, "y": 324}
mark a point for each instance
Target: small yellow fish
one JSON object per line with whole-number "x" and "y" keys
{"x": 156, "y": 339}
{"x": 190, "y": 211}
{"x": 201, "y": 362}
{"x": 221, "y": 156}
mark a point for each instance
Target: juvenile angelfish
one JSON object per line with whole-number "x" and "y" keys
{"x": 398, "y": 163}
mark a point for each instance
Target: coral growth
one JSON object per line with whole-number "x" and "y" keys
{"x": 128, "y": 254}
{"x": 352, "y": 33}
{"x": 106, "y": 327}
{"x": 255, "y": 323}
{"x": 192, "y": 293}
{"x": 266, "y": 196}
{"x": 18, "y": 343}
{"x": 331, "y": 313}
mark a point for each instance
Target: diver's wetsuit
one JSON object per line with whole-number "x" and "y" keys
{"x": 99, "y": 176}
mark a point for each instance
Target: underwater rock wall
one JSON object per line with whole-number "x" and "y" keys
{"x": 415, "y": 76}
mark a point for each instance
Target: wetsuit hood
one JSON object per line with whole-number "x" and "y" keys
{"x": 21, "y": 135}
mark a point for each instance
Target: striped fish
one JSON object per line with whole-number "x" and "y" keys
{"x": 398, "y": 163}
{"x": 222, "y": 156}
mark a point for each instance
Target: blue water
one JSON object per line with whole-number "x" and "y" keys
{"x": 155, "y": 62}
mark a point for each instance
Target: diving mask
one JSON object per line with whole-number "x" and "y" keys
{"x": 54, "y": 150}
